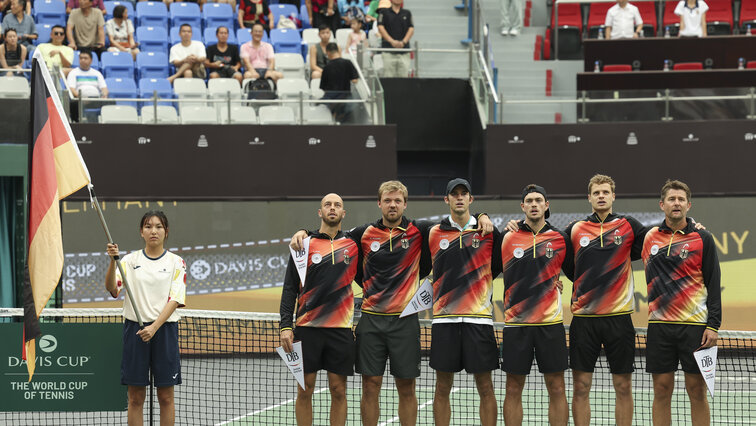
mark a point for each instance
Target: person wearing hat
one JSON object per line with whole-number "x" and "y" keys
{"x": 462, "y": 333}
{"x": 531, "y": 259}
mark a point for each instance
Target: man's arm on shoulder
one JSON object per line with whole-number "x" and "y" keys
{"x": 639, "y": 234}
{"x": 289, "y": 295}
{"x": 568, "y": 264}
{"x": 712, "y": 276}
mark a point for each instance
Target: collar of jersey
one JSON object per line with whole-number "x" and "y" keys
{"x": 688, "y": 228}
{"x": 595, "y": 219}
{"x": 403, "y": 225}
{"x": 154, "y": 258}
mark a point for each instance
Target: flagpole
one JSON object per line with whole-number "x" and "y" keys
{"x": 96, "y": 205}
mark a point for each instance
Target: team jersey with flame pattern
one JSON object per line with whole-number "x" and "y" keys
{"x": 603, "y": 284}
{"x": 393, "y": 260}
{"x": 531, "y": 262}
{"x": 683, "y": 276}
{"x": 462, "y": 271}
{"x": 325, "y": 299}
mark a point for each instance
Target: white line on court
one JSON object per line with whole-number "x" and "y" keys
{"x": 270, "y": 407}
{"x": 419, "y": 407}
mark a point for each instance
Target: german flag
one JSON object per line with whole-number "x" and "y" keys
{"x": 56, "y": 170}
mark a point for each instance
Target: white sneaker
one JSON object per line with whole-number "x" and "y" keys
{"x": 514, "y": 32}
{"x": 504, "y": 31}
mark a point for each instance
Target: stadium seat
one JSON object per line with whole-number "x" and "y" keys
{"x": 217, "y": 14}
{"x": 151, "y": 14}
{"x": 597, "y": 17}
{"x": 290, "y": 64}
{"x": 687, "y": 66}
{"x": 119, "y": 114}
{"x": 276, "y": 114}
{"x": 287, "y": 10}
{"x": 190, "y": 88}
{"x": 210, "y": 38}
{"x": 719, "y": 17}
{"x": 286, "y": 41}
{"x": 148, "y": 86}
{"x": 176, "y": 37}
{"x": 152, "y": 65}
{"x": 185, "y": 13}
{"x": 317, "y": 114}
{"x": 617, "y": 68}
{"x": 647, "y": 10}
{"x": 240, "y": 115}
{"x": 95, "y": 61}
{"x": 110, "y": 5}
{"x": 196, "y": 114}
{"x": 166, "y": 114}
{"x": 669, "y": 19}
{"x": 117, "y": 64}
{"x": 14, "y": 87}
{"x": 315, "y": 91}
{"x": 290, "y": 88}
{"x": 570, "y": 29}
{"x": 219, "y": 88}
{"x": 152, "y": 39}
{"x": 747, "y": 15}
{"x": 122, "y": 88}
{"x": 751, "y": 64}
{"x": 304, "y": 17}
{"x": 243, "y": 35}
{"x": 50, "y": 12}
{"x": 342, "y": 36}
{"x": 310, "y": 36}
{"x": 43, "y": 33}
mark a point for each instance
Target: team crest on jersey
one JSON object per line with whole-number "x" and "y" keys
{"x": 443, "y": 244}
{"x": 585, "y": 241}
{"x": 617, "y": 237}
{"x": 347, "y": 259}
{"x": 316, "y": 258}
{"x": 518, "y": 252}
{"x": 684, "y": 252}
{"x": 476, "y": 240}
{"x": 405, "y": 241}
{"x": 654, "y": 250}
{"x": 375, "y": 246}
{"x": 549, "y": 251}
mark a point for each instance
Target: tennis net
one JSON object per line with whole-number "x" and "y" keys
{"x": 232, "y": 375}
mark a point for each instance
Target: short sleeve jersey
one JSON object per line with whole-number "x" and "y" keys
{"x": 229, "y": 57}
{"x": 395, "y": 24}
{"x": 179, "y": 51}
{"x": 50, "y": 60}
{"x": 153, "y": 283}
{"x": 85, "y": 26}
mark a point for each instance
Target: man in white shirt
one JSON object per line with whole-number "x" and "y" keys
{"x": 85, "y": 82}
{"x": 623, "y": 20}
{"x": 188, "y": 56}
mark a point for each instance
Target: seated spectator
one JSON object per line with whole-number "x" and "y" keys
{"x": 22, "y": 22}
{"x": 188, "y": 56}
{"x": 318, "y": 57}
{"x": 356, "y": 37}
{"x": 258, "y": 57}
{"x": 86, "y": 28}
{"x": 120, "y": 31}
{"x": 349, "y": 10}
{"x": 12, "y": 53}
{"x": 692, "y": 15}
{"x": 222, "y": 59}
{"x": 55, "y": 53}
{"x": 323, "y": 12}
{"x": 74, "y": 4}
{"x": 5, "y": 6}
{"x": 336, "y": 81}
{"x": 86, "y": 82}
{"x": 623, "y": 20}
{"x": 254, "y": 11}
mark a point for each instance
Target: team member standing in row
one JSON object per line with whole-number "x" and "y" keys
{"x": 684, "y": 303}
{"x": 325, "y": 310}
{"x": 462, "y": 334}
{"x": 532, "y": 258}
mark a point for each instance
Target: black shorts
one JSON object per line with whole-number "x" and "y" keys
{"x": 669, "y": 343}
{"x": 546, "y": 342}
{"x": 330, "y": 349}
{"x": 261, "y": 71}
{"x": 615, "y": 333}
{"x": 226, "y": 71}
{"x": 382, "y": 337}
{"x": 463, "y": 345}
{"x": 160, "y": 354}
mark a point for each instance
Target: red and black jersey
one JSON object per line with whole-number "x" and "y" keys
{"x": 683, "y": 276}
{"x": 325, "y": 299}
{"x": 393, "y": 260}
{"x": 603, "y": 250}
{"x": 531, "y": 262}
{"x": 462, "y": 274}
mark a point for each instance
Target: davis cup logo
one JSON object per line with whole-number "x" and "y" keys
{"x": 200, "y": 269}
{"x": 48, "y": 343}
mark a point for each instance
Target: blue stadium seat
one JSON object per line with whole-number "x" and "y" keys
{"x": 117, "y": 64}
{"x": 110, "y": 5}
{"x": 152, "y": 65}
{"x": 122, "y": 88}
{"x": 50, "y": 12}
{"x": 217, "y": 14}
{"x": 43, "y": 33}
{"x": 283, "y": 9}
{"x": 210, "y": 37}
{"x": 95, "y": 61}
{"x": 243, "y": 35}
{"x": 163, "y": 87}
{"x": 286, "y": 40}
{"x": 185, "y": 13}
{"x": 152, "y": 39}
{"x": 304, "y": 17}
{"x": 152, "y": 14}
{"x": 176, "y": 38}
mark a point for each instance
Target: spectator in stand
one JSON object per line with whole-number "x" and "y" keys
{"x": 22, "y": 22}
{"x": 349, "y": 10}
{"x": 12, "y": 53}
{"x": 55, "y": 53}
{"x": 322, "y": 12}
{"x": 5, "y": 6}
{"x": 692, "y": 15}
{"x": 86, "y": 82}
{"x": 337, "y": 79}
{"x": 188, "y": 56}
{"x": 120, "y": 31}
{"x": 511, "y": 17}
{"x": 396, "y": 29}
{"x": 318, "y": 57}
{"x": 356, "y": 37}
{"x": 258, "y": 57}
{"x": 623, "y": 20}
{"x": 86, "y": 28}
{"x": 74, "y": 4}
{"x": 222, "y": 59}
{"x": 253, "y": 11}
